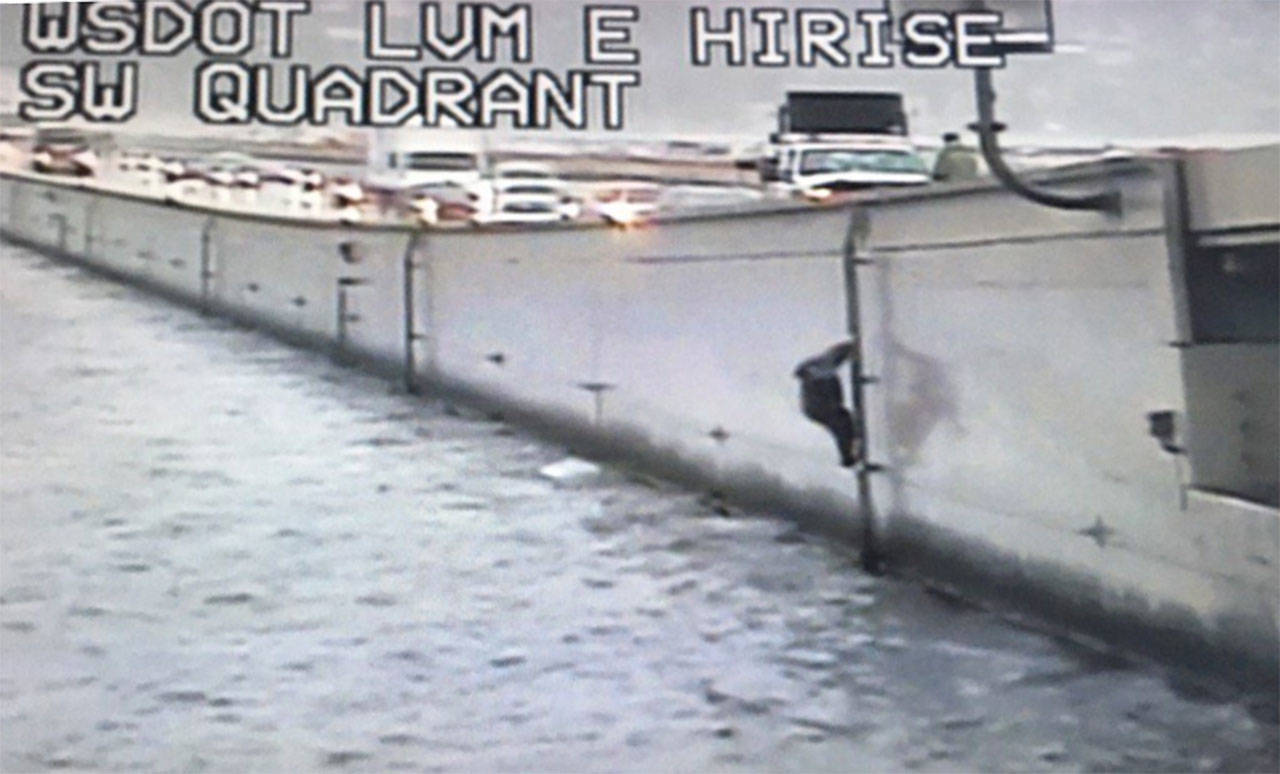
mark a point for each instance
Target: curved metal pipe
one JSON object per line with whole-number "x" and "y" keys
{"x": 987, "y": 127}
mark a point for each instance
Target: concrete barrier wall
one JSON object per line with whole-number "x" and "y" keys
{"x": 271, "y": 272}
{"x": 54, "y": 216}
{"x": 331, "y": 285}
{"x": 1016, "y": 352}
{"x": 680, "y": 338}
{"x": 1035, "y": 358}
{"x": 120, "y": 239}
{"x": 685, "y": 334}
{"x": 1233, "y": 190}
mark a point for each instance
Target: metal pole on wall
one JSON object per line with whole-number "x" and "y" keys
{"x": 351, "y": 255}
{"x": 340, "y": 338}
{"x": 872, "y": 555}
{"x": 411, "y": 334}
{"x": 206, "y": 264}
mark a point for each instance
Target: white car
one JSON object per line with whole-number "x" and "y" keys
{"x": 626, "y": 202}
{"x": 528, "y": 201}
{"x": 523, "y": 192}
{"x": 76, "y": 161}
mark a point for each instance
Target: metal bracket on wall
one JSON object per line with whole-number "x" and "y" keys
{"x": 597, "y": 390}
{"x": 349, "y": 252}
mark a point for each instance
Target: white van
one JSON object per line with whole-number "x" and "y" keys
{"x": 424, "y": 167}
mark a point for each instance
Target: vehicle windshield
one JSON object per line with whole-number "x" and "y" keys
{"x": 531, "y": 189}
{"x": 528, "y": 206}
{"x": 817, "y": 162}
{"x": 442, "y": 191}
{"x": 524, "y": 172}
{"x": 448, "y": 162}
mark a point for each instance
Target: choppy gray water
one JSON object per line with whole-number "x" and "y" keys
{"x": 223, "y": 554}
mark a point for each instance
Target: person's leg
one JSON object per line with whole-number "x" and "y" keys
{"x": 823, "y": 402}
{"x": 841, "y": 426}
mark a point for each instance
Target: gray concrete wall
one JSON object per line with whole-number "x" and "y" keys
{"x": 1018, "y": 351}
{"x": 669, "y": 336}
{"x": 1231, "y": 437}
{"x": 1233, "y": 190}
{"x": 692, "y": 330}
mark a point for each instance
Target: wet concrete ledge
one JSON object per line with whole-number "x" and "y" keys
{"x": 1236, "y": 654}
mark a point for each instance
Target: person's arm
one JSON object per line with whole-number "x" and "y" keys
{"x": 829, "y": 360}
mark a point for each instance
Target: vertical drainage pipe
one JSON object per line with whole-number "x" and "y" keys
{"x": 987, "y": 127}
